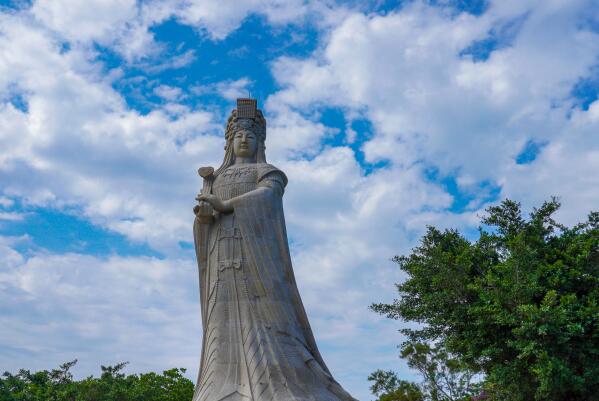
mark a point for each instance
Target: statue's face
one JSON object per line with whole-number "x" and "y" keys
{"x": 245, "y": 143}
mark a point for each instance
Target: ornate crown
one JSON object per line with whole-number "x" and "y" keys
{"x": 247, "y": 116}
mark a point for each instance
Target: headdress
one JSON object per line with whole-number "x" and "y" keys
{"x": 247, "y": 116}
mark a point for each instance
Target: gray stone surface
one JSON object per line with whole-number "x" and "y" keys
{"x": 257, "y": 341}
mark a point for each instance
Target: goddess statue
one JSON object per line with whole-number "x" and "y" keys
{"x": 257, "y": 341}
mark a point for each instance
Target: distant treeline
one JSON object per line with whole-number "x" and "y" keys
{"x": 112, "y": 385}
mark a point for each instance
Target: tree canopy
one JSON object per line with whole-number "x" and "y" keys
{"x": 112, "y": 385}
{"x": 519, "y": 305}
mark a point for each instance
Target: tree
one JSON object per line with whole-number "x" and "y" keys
{"x": 388, "y": 387}
{"x": 112, "y": 385}
{"x": 519, "y": 305}
{"x": 444, "y": 378}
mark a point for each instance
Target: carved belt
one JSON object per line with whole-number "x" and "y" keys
{"x": 229, "y": 264}
{"x": 229, "y": 233}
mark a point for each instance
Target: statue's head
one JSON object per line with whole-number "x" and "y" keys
{"x": 245, "y": 133}
{"x": 245, "y": 143}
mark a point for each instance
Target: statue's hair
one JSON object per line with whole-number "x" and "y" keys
{"x": 257, "y": 125}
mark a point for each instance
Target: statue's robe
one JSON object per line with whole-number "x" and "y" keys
{"x": 257, "y": 344}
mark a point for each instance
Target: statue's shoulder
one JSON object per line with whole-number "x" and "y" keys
{"x": 265, "y": 169}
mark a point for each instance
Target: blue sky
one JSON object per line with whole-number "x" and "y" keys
{"x": 387, "y": 116}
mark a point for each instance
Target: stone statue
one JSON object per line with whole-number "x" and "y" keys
{"x": 257, "y": 341}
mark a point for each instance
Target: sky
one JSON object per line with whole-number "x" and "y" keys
{"x": 387, "y": 116}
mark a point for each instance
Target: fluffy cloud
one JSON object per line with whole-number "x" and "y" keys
{"x": 78, "y": 143}
{"x": 100, "y": 311}
{"x": 567, "y": 167}
{"x": 218, "y": 18}
{"x": 229, "y": 89}
{"x": 91, "y": 20}
{"x": 432, "y": 102}
{"x": 120, "y": 25}
{"x": 125, "y": 26}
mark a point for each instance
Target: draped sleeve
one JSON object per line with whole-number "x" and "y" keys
{"x": 272, "y": 178}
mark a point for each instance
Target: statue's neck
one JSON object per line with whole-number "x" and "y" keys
{"x": 245, "y": 160}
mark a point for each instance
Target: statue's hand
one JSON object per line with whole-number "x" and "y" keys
{"x": 217, "y": 203}
{"x": 203, "y": 209}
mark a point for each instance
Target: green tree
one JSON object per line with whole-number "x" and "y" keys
{"x": 444, "y": 378}
{"x": 388, "y": 387}
{"x": 519, "y": 305}
{"x": 54, "y": 385}
{"x": 112, "y": 385}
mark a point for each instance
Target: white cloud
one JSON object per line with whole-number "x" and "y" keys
{"x": 101, "y": 311}
{"x": 290, "y": 135}
{"x": 430, "y": 105}
{"x": 220, "y": 17}
{"x": 233, "y": 90}
{"x": 171, "y": 93}
{"x": 84, "y": 21}
{"x": 11, "y": 216}
{"x": 121, "y": 25}
{"x": 125, "y": 26}
{"x": 174, "y": 62}
{"x": 78, "y": 143}
{"x": 6, "y": 202}
{"x": 566, "y": 168}
{"x": 229, "y": 89}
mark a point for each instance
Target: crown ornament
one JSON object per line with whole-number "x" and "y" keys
{"x": 246, "y": 116}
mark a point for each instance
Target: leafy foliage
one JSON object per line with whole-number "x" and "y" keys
{"x": 519, "y": 305}
{"x": 388, "y": 387}
{"x": 112, "y": 385}
{"x": 444, "y": 378}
